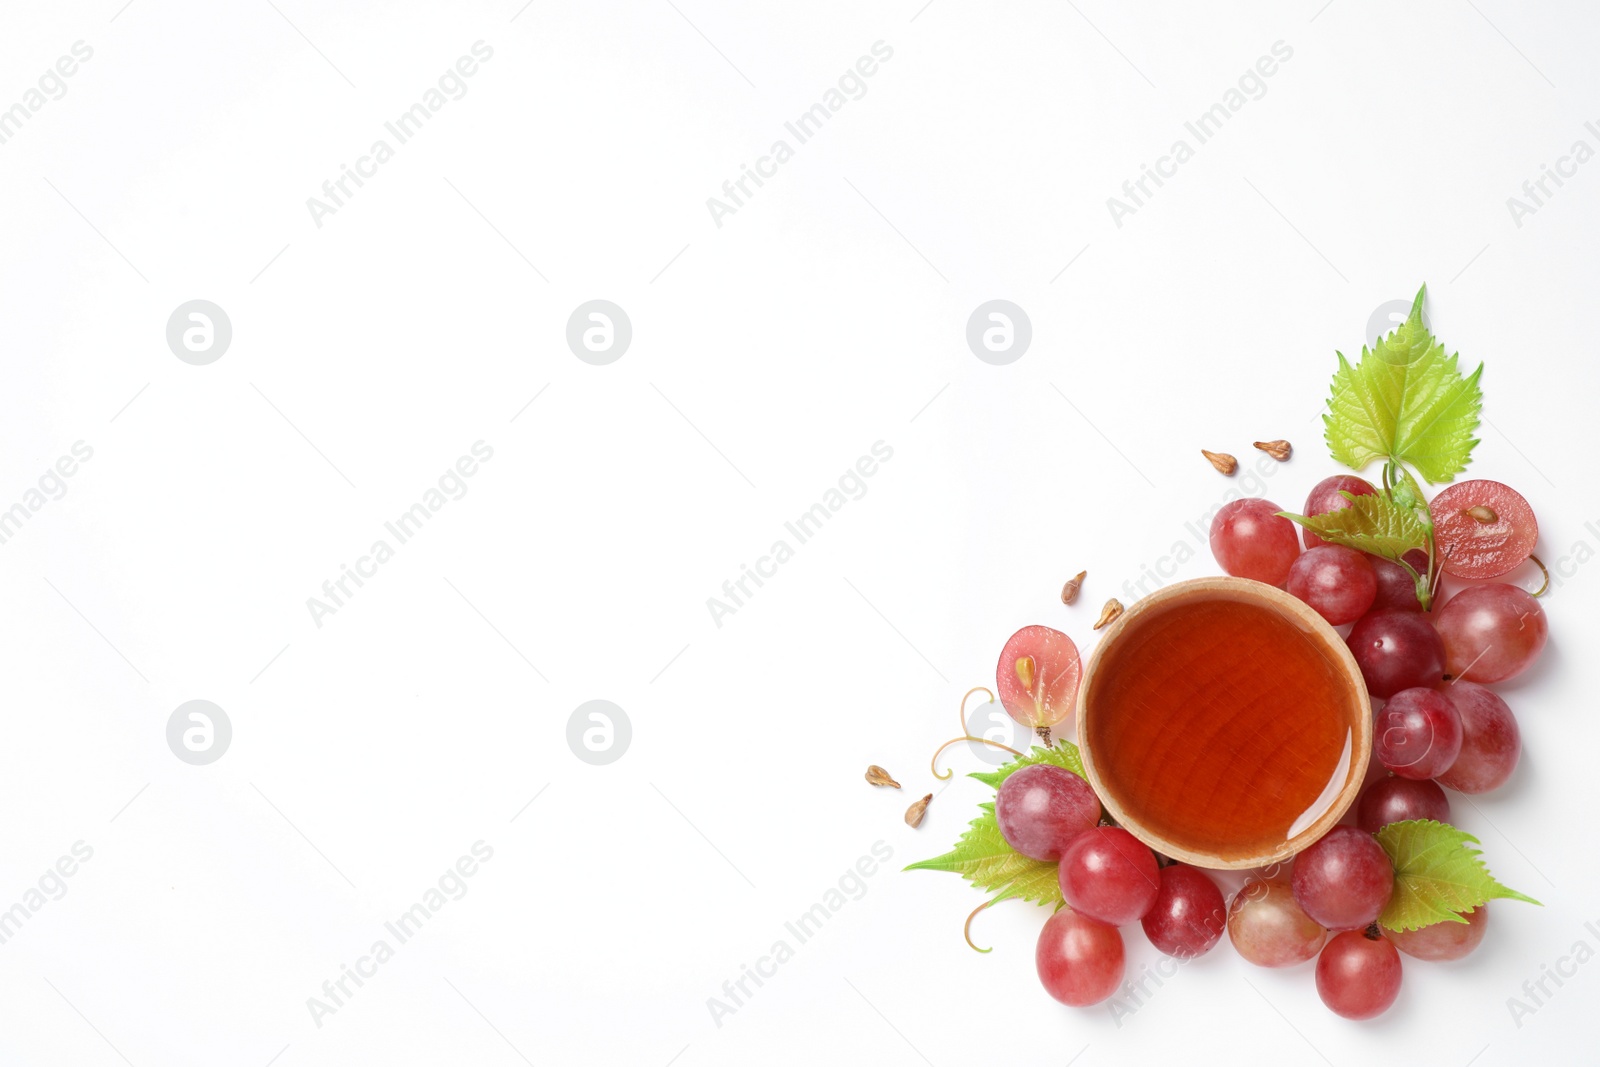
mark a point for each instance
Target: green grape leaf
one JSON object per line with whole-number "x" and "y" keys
{"x": 983, "y": 857}
{"x": 1437, "y": 875}
{"x": 1373, "y": 523}
{"x": 1062, "y": 754}
{"x": 1406, "y": 401}
{"x": 1406, "y": 492}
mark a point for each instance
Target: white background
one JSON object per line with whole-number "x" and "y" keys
{"x": 768, "y": 354}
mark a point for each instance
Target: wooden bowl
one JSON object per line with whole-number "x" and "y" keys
{"x": 1224, "y": 723}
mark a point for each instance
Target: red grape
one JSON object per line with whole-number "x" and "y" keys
{"x": 1269, "y": 929}
{"x": 1251, "y": 540}
{"x": 1188, "y": 915}
{"x": 1042, "y": 807}
{"x": 1490, "y": 740}
{"x": 1327, "y": 495}
{"x": 1390, "y": 800}
{"x": 1338, "y": 583}
{"x": 1358, "y": 974}
{"x": 1419, "y": 734}
{"x": 1396, "y": 650}
{"x": 1446, "y": 940}
{"x": 1080, "y": 960}
{"x": 1397, "y": 590}
{"x": 1108, "y": 874}
{"x": 1483, "y": 529}
{"x": 1037, "y": 677}
{"x": 1491, "y": 632}
{"x": 1344, "y": 879}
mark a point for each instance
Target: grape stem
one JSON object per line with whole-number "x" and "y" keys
{"x": 1395, "y": 477}
{"x": 1439, "y": 574}
{"x": 933, "y": 764}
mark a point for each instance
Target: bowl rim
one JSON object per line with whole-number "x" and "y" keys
{"x": 1277, "y": 600}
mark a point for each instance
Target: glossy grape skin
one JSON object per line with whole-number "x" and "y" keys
{"x": 1417, "y": 734}
{"x": 1491, "y": 743}
{"x": 1397, "y": 590}
{"x": 1108, "y": 874}
{"x": 1337, "y": 583}
{"x": 1472, "y": 549}
{"x": 1055, "y": 672}
{"x": 1396, "y": 650}
{"x": 1446, "y": 940}
{"x": 1344, "y": 879}
{"x": 1491, "y": 632}
{"x": 1042, "y": 807}
{"x": 1327, "y": 496}
{"x": 1251, "y": 540}
{"x": 1189, "y": 914}
{"x": 1269, "y": 929}
{"x": 1394, "y": 799}
{"x": 1358, "y": 976}
{"x": 1080, "y": 960}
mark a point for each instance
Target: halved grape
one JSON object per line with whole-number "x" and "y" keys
{"x": 1483, "y": 529}
{"x": 1188, "y": 915}
{"x": 1491, "y": 632}
{"x": 1343, "y": 879}
{"x": 1251, "y": 540}
{"x": 1338, "y": 583}
{"x": 1396, "y": 650}
{"x": 1042, "y": 807}
{"x": 1490, "y": 741}
{"x": 1037, "y": 677}
{"x": 1108, "y": 874}
{"x": 1080, "y": 960}
{"x": 1269, "y": 929}
{"x": 1446, "y": 940}
{"x": 1418, "y": 734}
{"x": 1358, "y": 974}
{"x": 1327, "y": 495}
{"x": 1390, "y": 800}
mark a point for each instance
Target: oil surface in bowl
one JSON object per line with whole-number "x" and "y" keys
{"x": 1221, "y": 726}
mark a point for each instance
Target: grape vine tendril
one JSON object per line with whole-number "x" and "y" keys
{"x": 933, "y": 764}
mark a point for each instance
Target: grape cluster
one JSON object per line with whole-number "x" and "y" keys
{"x": 1436, "y": 724}
{"x": 1437, "y": 720}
